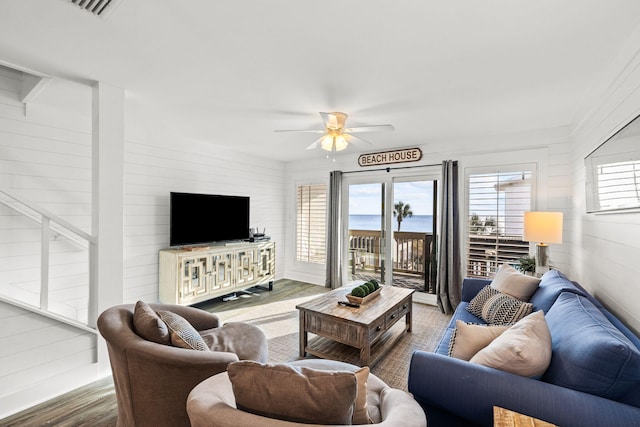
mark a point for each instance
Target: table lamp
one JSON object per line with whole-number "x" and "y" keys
{"x": 544, "y": 228}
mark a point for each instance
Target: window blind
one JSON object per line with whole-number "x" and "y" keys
{"x": 495, "y": 225}
{"x": 311, "y": 220}
{"x": 618, "y": 185}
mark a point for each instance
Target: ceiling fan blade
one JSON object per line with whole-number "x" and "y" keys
{"x": 356, "y": 139}
{"x": 315, "y": 144}
{"x": 334, "y": 120}
{"x": 372, "y": 128}
{"x": 301, "y": 131}
{"x": 329, "y": 120}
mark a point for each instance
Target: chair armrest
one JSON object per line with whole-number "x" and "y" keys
{"x": 471, "y": 287}
{"x": 470, "y": 391}
{"x": 399, "y": 409}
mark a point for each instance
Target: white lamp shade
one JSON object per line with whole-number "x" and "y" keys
{"x": 543, "y": 227}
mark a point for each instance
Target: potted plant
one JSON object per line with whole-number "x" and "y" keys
{"x": 527, "y": 264}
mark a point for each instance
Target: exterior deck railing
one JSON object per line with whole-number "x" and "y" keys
{"x": 413, "y": 254}
{"x": 488, "y": 252}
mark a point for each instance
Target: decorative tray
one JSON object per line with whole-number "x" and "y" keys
{"x": 364, "y": 300}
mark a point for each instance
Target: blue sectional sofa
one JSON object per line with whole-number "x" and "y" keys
{"x": 593, "y": 379}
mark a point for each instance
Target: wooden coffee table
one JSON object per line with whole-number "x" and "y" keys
{"x": 368, "y": 331}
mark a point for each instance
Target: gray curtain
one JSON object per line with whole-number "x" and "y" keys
{"x": 449, "y": 281}
{"x": 334, "y": 232}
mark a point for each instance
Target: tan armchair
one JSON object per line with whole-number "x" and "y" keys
{"x": 152, "y": 381}
{"x": 212, "y": 402}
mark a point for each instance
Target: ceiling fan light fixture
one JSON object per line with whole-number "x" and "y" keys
{"x": 335, "y": 136}
{"x": 334, "y": 142}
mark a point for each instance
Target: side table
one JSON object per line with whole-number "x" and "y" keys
{"x": 505, "y": 418}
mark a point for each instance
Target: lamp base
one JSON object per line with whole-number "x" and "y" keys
{"x": 542, "y": 259}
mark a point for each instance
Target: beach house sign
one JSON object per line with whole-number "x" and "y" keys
{"x": 389, "y": 157}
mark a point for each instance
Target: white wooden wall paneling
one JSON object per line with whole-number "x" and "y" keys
{"x": 44, "y": 157}
{"x": 606, "y": 247}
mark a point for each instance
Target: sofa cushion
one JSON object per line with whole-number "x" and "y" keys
{"x": 468, "y": 339}
{"x": 589, "y": 353}
{"x": 510, "y": 281}
{"x": 495, "y": 307}
{"x": 552, "y": 284}
{"x": 302, "y": 394}
{"x": 523, "y": 349}
{"x": 182, "y": 334}
{"x": 148, "y": 324}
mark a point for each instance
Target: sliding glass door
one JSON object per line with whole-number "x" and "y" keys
{"x": 391, "y": 229}
{"x": 413, "y": 243}
{"x": 366, "y": 247}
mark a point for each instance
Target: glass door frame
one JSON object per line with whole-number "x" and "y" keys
{"x": 388, "y": 178}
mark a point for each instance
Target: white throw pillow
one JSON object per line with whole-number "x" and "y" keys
{"x": 510, "y": 281}
{"x": 523, "y": 349}
{"x": 468, "y": 338}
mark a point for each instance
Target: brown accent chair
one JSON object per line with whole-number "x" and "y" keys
{"x": 152, "y": 381}
{"x": 212, "y": 402}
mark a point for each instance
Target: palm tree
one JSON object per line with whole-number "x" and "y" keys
{"x": 401, "y": 211}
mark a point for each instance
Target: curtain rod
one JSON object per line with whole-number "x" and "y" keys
{"x": 389, "y": 169}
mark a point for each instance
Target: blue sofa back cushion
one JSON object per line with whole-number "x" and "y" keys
{"x": 589, "y": 353}
{"x": 552, "y": 284}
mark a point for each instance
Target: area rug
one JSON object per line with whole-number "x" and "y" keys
{"x": 279, "y": 321}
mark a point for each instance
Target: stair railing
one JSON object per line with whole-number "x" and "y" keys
{"x": 51, "y": 223}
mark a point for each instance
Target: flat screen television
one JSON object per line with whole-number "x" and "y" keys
{"x": 196, "y": 219}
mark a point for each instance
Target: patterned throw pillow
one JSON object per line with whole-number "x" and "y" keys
{"x": 476, "y": 304}
{"x": 497, "y": 308}
{"x": 183, "y": 335}
{"x": 503, "y": 309}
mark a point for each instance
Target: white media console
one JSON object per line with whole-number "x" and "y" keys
{"x": 188, "y": 276}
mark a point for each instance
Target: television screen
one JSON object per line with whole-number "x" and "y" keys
{"x": 205, "y": 218}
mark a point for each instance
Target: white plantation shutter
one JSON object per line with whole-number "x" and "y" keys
{"x": 311, "y": 220}
{"x": 618, "y": 185}
{"x": 497, "y": 201}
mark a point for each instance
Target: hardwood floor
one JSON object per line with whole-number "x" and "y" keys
{"x": 95, "y": 404}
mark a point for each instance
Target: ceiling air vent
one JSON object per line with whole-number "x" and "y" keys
{"x": 96, "y": 7}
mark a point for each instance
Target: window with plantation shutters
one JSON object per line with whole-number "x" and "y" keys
{"x": 311, "y": 220}
{"x": 496, "y": 202}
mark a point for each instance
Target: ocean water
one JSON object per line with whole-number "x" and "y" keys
{"x": 418, "y": 223}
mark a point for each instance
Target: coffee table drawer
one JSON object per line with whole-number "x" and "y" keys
{"x": 392, "y": 317}
{"x": 403, "y": 308}
{"x": 377, "y": 328}
{"x": 342, "y": 331}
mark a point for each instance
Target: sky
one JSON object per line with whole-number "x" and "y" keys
{"x": 364, "y": 199}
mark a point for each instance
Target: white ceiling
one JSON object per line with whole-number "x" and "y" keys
{"x": 231, "y": 72}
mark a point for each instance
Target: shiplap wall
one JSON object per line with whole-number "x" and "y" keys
{"x": 155, "y": 165}
{"x": 606, "y": 247}
{"x": 45, "y": 156}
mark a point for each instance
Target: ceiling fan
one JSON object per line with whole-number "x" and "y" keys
{"x": 335, "y": 136}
